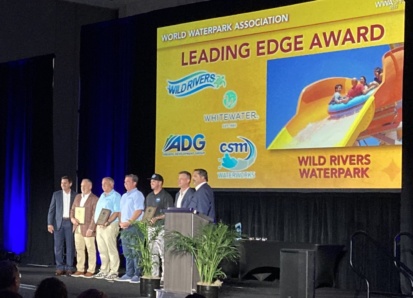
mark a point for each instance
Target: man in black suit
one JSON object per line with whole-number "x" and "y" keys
{"x": 203, "y": 199}
{"x": 184, "y": 195}
{"x": 59, "y": 224}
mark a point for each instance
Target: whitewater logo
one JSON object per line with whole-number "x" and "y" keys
{"x": 194, "y": 83}
{"x": 184, "y": 145}
{"x": 392, "y": 4}
{"x": 237, "y": 165}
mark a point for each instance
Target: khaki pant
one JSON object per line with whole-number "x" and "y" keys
{"x": 106, "y": 238}
{"x": 82, "y": 245}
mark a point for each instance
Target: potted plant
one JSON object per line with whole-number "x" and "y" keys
{"x": 141, "y": 247}
{"x": 213, "y": 244}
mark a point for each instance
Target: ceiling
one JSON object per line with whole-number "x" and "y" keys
{"x": 114, "y": 4}
{"x": 132, "y": 7}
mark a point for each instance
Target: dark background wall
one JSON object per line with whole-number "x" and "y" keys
{"x": 34, "y": 28}
{"x": 30, "y": 29}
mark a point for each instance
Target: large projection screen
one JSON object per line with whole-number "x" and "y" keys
{"x": 248, "y": 97}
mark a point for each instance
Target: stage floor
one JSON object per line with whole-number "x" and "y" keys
{"x": 31, "y": 277}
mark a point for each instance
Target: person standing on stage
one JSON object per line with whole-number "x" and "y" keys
{"x": 184, "y": 195}
{"x": 203, "y": 199}
{"x": 162, "y": 200}
{"x": 59, "y": 224}
{"x": 85, "y": 230}
{"x": 107, "y": 233}
{"x": 131, "y": 209}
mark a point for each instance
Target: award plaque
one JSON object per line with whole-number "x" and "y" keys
{"x": 149, "y": 213}
{"x": 103, "y": 216}
{"x": 80, "y": 214}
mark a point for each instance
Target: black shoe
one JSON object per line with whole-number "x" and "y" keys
{"x": 60, "y": 272}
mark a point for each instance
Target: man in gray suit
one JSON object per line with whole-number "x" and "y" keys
{"x": 184, "y": 195}
{"x": 59, "y": 224}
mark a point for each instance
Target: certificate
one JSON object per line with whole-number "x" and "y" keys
{"x": 149, "y": 213}
{"x": 80, "y": 214}
{"x": 103, "y": 216}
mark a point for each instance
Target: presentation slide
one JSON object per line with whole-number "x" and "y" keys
{"x": 306, "y": 96}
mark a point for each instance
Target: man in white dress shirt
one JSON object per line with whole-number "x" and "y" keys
{"x": 184, "y": 195}
{"x": 59, "y": 224}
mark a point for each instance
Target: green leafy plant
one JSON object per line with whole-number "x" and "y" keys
{"x": 213, "y": 244}
{"x": 140, "y": 244}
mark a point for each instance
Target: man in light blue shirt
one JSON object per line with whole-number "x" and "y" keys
{"x": 131, "y": 209}
{"x": 107, "y": 233}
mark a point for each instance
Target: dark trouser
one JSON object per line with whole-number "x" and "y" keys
{"x": 62, "y": 236}
{"x": 131, "y": 255}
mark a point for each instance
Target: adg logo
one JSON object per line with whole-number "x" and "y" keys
{"x": 194, "y": 83}
{"x": 184, "y": 145}
{"x": 236, "y": 164}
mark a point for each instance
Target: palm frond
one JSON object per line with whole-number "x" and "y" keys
{"x": 213, "y": 244}
{"x": 140, "y": 240}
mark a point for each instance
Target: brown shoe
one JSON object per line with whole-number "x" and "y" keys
{"x": 77, "y": 274}
{"x": 69, "y": 272}
{"x": 88, "y": 275}
{"x": 60, "y": 272}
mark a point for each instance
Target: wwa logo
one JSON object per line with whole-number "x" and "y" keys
{"x": 184, "y": 145}
{"x": 393, "y": 4}
{"x": 195, "y": 83}
{"x": 232, "y": 150}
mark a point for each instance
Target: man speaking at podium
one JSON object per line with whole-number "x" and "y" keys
{"x": 203, "y": 199}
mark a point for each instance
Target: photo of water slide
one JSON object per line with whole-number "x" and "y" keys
{"x": 300, "y": 90}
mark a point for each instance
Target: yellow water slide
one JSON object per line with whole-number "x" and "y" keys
{"x": 313, "y": 127}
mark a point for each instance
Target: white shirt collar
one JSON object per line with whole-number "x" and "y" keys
{"x": 199, "y": 185}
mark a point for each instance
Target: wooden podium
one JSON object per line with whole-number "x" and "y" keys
{"x": 180, "y": 274}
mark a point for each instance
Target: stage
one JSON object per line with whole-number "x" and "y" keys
{"x": 31, "y": 277}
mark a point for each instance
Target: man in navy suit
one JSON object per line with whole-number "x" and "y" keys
{"x": 184, "y": 195}
{"x": 203, "y": 199}
{"x": 59, "y": 224}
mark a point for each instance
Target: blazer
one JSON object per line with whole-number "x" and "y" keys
{"x": 186, "y": 199}
{"x": 90, "y": 207}
{"x": 203, "y": 201}
{"x": 55, "y": 214}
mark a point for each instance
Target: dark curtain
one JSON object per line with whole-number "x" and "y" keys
{"x": 324, "y": 218}
{"x": 117, "y": 106}
{"x": 407, "y": 178}
{"x": 107, "y": 72}
{"x": 26, "y": 156}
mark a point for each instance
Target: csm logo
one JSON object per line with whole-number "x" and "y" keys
{"x": 237, "y": 156}
{"x": 185, "y": 144}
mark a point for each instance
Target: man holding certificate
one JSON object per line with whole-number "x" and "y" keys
{"x": 81, "y": 215}
{"x": 161, "y": 200}
{"x": 107, "y": 230}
